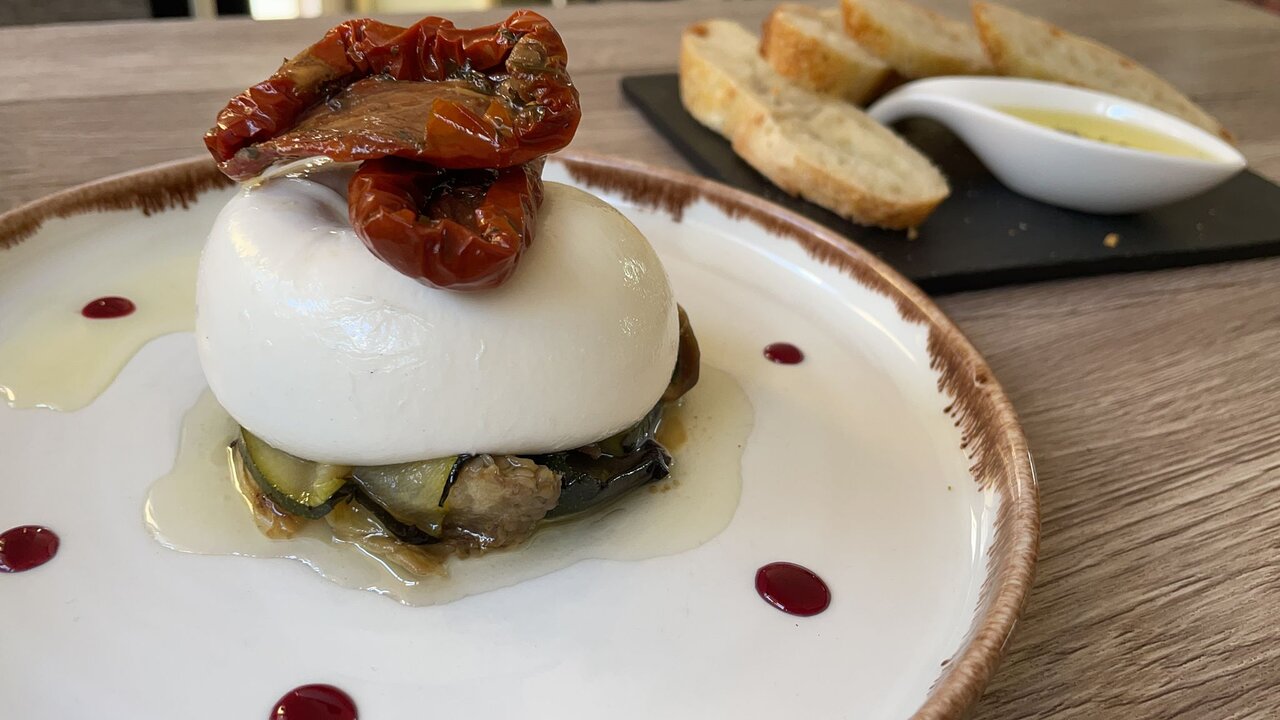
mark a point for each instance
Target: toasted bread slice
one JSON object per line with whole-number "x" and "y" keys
{"x": 814, "y": 146}
{"x": 1029, "y": 47}
{"x": 914, "y": 41}
{"x": 808, "y": 46}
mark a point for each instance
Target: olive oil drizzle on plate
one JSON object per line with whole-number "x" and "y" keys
{"x": 198, "y": 508}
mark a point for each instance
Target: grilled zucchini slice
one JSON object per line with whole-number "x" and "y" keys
{"x": 413, "y": 493}
{"x": 298, "y": 486}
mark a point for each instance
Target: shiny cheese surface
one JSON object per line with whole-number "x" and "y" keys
{"x": 317, "y": 347}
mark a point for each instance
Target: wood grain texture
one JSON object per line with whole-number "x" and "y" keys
{"x": 1151, "y": 401}
{"x": 1151, "y": 406}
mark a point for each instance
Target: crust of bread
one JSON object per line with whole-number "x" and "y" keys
{"x": 711, "y": 94}
{"x": 916, "y": 42}
{"x": 769, "y": 149}
{"x": 810, "y": 145}
{"x": 707, "y": 93}
{"x": 1024, "y": 46}
{"x": 808, "y": 46}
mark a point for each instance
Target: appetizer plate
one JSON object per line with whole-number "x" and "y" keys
{"x": 889, "y": 461}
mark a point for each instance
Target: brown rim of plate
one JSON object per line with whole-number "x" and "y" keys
{"x": 991, "y": 435}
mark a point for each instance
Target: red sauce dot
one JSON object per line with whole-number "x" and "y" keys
{"x": 792, "y": 589}
{"x": 783, "y": 353}
{"x": 315, "y": 702}
{"x": 106, "y": 308}
{"x": 26, "y": 547}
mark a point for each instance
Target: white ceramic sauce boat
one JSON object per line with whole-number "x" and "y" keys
{"x": 1057, "y": 167}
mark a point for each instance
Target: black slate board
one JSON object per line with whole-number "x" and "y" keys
{"x": 986, "y": 235}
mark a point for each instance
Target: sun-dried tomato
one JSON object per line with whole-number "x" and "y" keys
{"x": 451, "y": 100}
{"x": 494, "y": 96}
{"x": 456, "y": 229}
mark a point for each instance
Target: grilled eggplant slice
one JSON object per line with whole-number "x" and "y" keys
{"x": 413, "y": 494}
{"x": 297, "y": 486}
{"x": 499, "y": 500}
{"x": 587, "y": 482}
{"x": 629, "y": 440}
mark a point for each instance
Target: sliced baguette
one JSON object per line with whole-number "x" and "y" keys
{"x": 819, "y": 148}
{"x": 916, "y": 42}
{"x": 808, "y": 46}
{"x": 1029, "y": 47}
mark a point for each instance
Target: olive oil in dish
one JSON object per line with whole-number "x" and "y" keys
{"x": 1107, "y": 130}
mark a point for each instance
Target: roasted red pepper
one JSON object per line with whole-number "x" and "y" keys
{"x": 471, "y": 112}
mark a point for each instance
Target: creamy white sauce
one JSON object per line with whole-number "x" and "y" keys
{"x": 197, "y": 508}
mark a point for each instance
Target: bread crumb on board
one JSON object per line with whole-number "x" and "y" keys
{"x": 1111, "y": 240}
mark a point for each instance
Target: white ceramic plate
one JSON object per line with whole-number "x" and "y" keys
{"x": 889, "y": 462}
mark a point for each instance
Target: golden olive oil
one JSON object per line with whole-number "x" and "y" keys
{"x": 1107, "y": 130}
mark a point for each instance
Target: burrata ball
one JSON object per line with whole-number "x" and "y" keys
{"x": 320, "y": 349}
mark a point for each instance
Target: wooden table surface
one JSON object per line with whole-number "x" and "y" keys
{"x": 1151, "y": 401}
